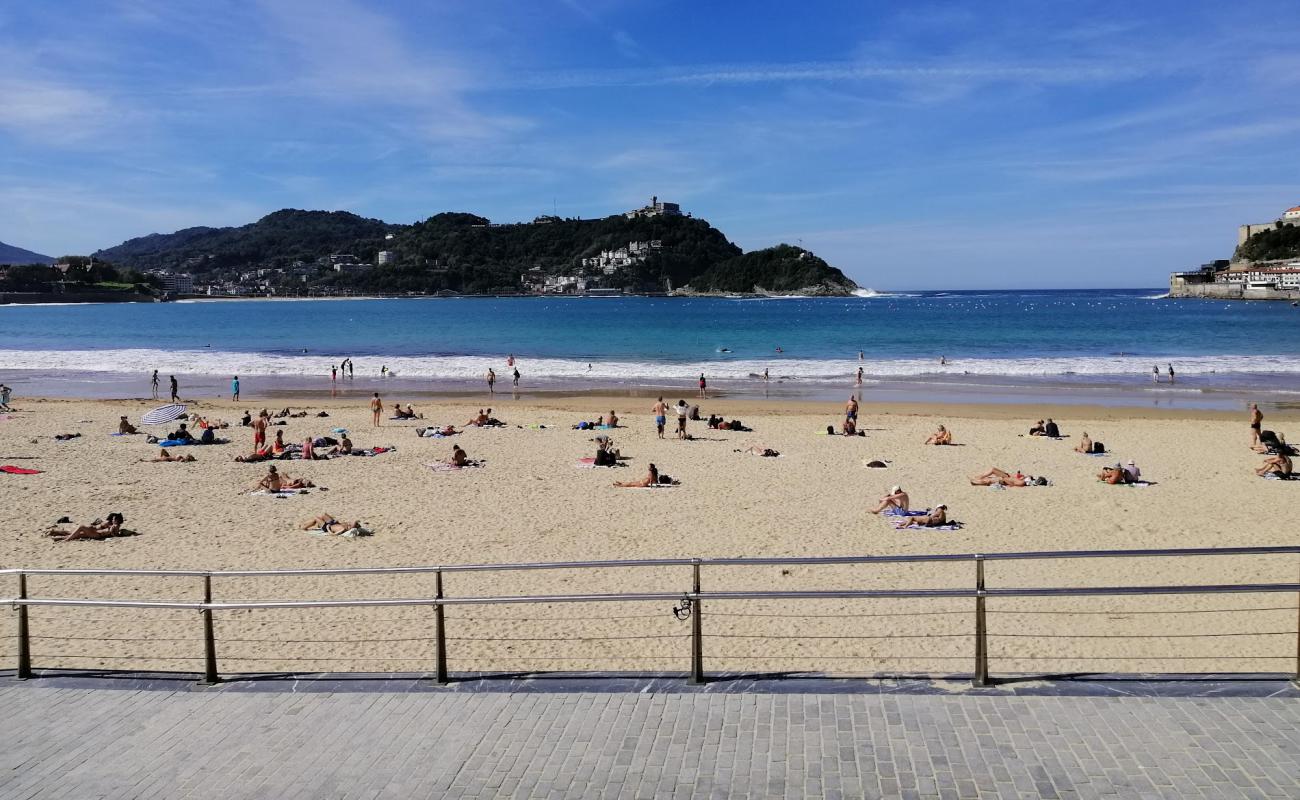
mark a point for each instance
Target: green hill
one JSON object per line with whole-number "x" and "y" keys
{"x": 783, "y": 269}
{"x": 16, "y": 255}
{"x": 461, "y": 252}
{"x": 1280, "y": 242}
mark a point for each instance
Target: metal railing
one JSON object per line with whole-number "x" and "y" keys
{"x": 690, "y": 601}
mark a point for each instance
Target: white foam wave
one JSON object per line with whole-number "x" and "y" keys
{"x": 1164, "y": 296}
{"x": 215, "y": 362}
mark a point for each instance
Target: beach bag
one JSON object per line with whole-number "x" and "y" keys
{"x": 1098, "y": 447}
{"x": 830, "y": 430}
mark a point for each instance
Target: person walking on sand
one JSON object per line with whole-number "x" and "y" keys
{"x": 155, "y": 384}
{"x": 376, "y": 408}
{"x": 704, "y": 386}
{"x": 234, "y": 388}
{"x": 661, "y": 415}
{"x": 1171, "y": 372}
{"x": 1256, "y": 420}
{"x": 516, "y": 377}
{"x": 683, "y": 411}
{"x": 492, "y": 380}
{"x": 176, "y": 391}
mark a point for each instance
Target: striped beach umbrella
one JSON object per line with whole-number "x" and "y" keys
{"x": 163, "y": 414}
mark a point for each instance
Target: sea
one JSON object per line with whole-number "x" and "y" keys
{"x": 1069, "y": 346}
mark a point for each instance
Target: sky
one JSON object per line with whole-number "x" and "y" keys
{"x": 912, "y": 144}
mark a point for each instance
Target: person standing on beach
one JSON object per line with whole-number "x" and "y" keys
{"x": 234, "y": 388}
{"x": 176, "y": 391}
{"x": 259, "y": 431}
{"x": 5, "y": 393}
{"x": 516, "y": 377}
{"x": 765, "y": 377}
{"x": 683, "y": 411}
{"x": 1171, "y": 372}
{"x": 351, "y": 374}
{"x": 704, "y": 385}
{"x": 1155, "y": 373}
{"x": 851, "y": 410}
{"x": 859, "y": 376}
{"x": 492, "y": 381}
{"x": 661, "y": 416}
{"x": 1256, "y": 420}
{"x": 155, "y": 384}
{"x": 376, "y": 408}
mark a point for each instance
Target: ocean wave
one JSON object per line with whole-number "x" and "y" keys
{"x": 217, "y": 362}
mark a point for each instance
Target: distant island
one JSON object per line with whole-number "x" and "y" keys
{"x": 655, "y": 249}
{"x": 1264, "y": 266}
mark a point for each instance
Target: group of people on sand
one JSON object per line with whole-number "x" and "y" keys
{"x": 484, "y": 419}
{"x": 1273, "y": 445}
{"x": 99, "y": 529}
{"x": 276, "y": 481}
{"x": 601, "y": 422}
{"x": 897, "y": 502}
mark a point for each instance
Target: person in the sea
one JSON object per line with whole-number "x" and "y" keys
{"x": 1171, "y": 372}
{"x": 326, "y": 523}
{"x": 652, "y": 478}
{"x": 1279, "y": 464}
{"x": 897, "y": 498}
{"x": 99, "y": 529}
{"x": 1085, "y": 444}
{"x": 163, "y": 455}
{"x": 124, "y": 427}
{"x": 1000, "y": 477}
{"x": 936, "y": 518}
{"x": 491, "y": 380}
{"x": 703, "y": 386}
{"x": 516, "y": 378}
{"x": 941, "y": 436}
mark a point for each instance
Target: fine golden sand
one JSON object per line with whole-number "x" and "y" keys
{"x": 530, "y": 503}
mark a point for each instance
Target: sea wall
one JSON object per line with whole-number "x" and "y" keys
{"x": 1228, "y": 291}
{"x": 73, "y": 297}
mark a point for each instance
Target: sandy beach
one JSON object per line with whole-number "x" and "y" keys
{"x": 530, "y": 503}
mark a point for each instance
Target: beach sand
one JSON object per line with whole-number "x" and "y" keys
{"x": 530, "y": 503}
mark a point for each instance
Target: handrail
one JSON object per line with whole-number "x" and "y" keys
{"x": 749, "y": 561}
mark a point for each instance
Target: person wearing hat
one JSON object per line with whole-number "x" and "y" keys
{"x": 124, "y": 427}
{"x": 1132, "y": 472}
{"x": 896, "y": 499}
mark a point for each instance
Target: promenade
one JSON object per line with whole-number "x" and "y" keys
{"x": 69, "y": 741}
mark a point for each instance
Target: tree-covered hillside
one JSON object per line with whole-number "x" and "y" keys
{"x": 1280, "y": 242}
{"x": 780, "y": 269}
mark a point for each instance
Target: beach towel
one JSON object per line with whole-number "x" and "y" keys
{"x": 443, "y": 466}
{"x": 590, "y": 463}
{"x": 350, "y": 533}
{"x": 1274, "y": 476}
{"x": 1098, "y": 455}
{"x": 951, "y": 525}
{"x": 12, "y": 470}
{"x": 281, "y": 493}
{"x": 898, "y": 512}
{"x": 373, "y": 451}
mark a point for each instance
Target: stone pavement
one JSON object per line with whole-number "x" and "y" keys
{"x": 120, "y": 743}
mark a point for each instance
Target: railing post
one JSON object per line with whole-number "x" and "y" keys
{"x": 697, "y": 627}
{"x": 24, "y": 670}
{"x": 439, "y": 631}
{"x": 981, "y": 675}
{"x": 1296, "y": 679}
{"x": 209, "y": 637}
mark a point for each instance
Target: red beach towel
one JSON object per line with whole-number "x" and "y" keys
{"x": 12, "y": 470}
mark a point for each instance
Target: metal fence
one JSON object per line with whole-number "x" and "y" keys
{"x": 690, "y": 601}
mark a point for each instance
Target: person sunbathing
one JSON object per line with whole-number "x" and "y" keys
{"x": 163, "y": 455}
{"x": 458, "y": 457}
{"x": 274, "y": 481}
{"x": 999, "y": 477}
{"x": 941, "y": 436}
{"x": 309, "y": 449}
{"x": 181, "y": 434}
{"x": 343, "y": 448}
{"x": 1113, "y": 475}
{"x": 1280, "y": 464}
{"x": 651, "y": 479}
{"x": 99, "y": 529}
{"x": 326, "y": 523}
{"x": 1038, "y": 429}
{"x": 409, "y": 413}
{"x": 124, "y": 427}
{"x": 613, "y": 419}
{"x": 1085, "y": 444}
{"x": 897, "y": 498}
{"x": 758, "y": 450}
{"x": 478, "y": 421}
{"x": 936, "y": 518}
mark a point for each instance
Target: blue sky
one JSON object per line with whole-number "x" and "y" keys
{"x": 914, "y": 145}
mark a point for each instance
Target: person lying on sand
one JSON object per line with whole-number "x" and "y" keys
{"x": 63, "y": 437}
{"x": 326, "y": 523}
{"x": 273, "y": 481}
{"x": 343, "y": 448}
{"x": 163, "y": 455}
{"x": 124, "y": 427}
{"x": 756, "y": 450}
{"x": 99, "y": 529}
{"x": 1113, "y": 475}
{"x": 1000, "y": 477}
{"x": 652, "y": 478}
{"x": 897, "y": 498}
{"x": 936, "y": 518}
{"x": 1279, "y": 463}
{"x": 941, "y": 436}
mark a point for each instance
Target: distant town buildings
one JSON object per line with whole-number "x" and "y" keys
{"x": 177, "y": 282}
{"x": 656, "y": 208}
{"x": 1278, "y": 279}
{"x": 611, "y": 261}
{"x": 385, "y": 258}
{"x": 1291, "y": 217}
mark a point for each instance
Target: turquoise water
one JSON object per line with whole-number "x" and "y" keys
{"x": 1098, "y": 337}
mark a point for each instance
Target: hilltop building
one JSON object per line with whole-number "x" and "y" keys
{"x": 657, "y": 208}
{"x": 1290, "y": 217}
{"x": 1278, "y": 279}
